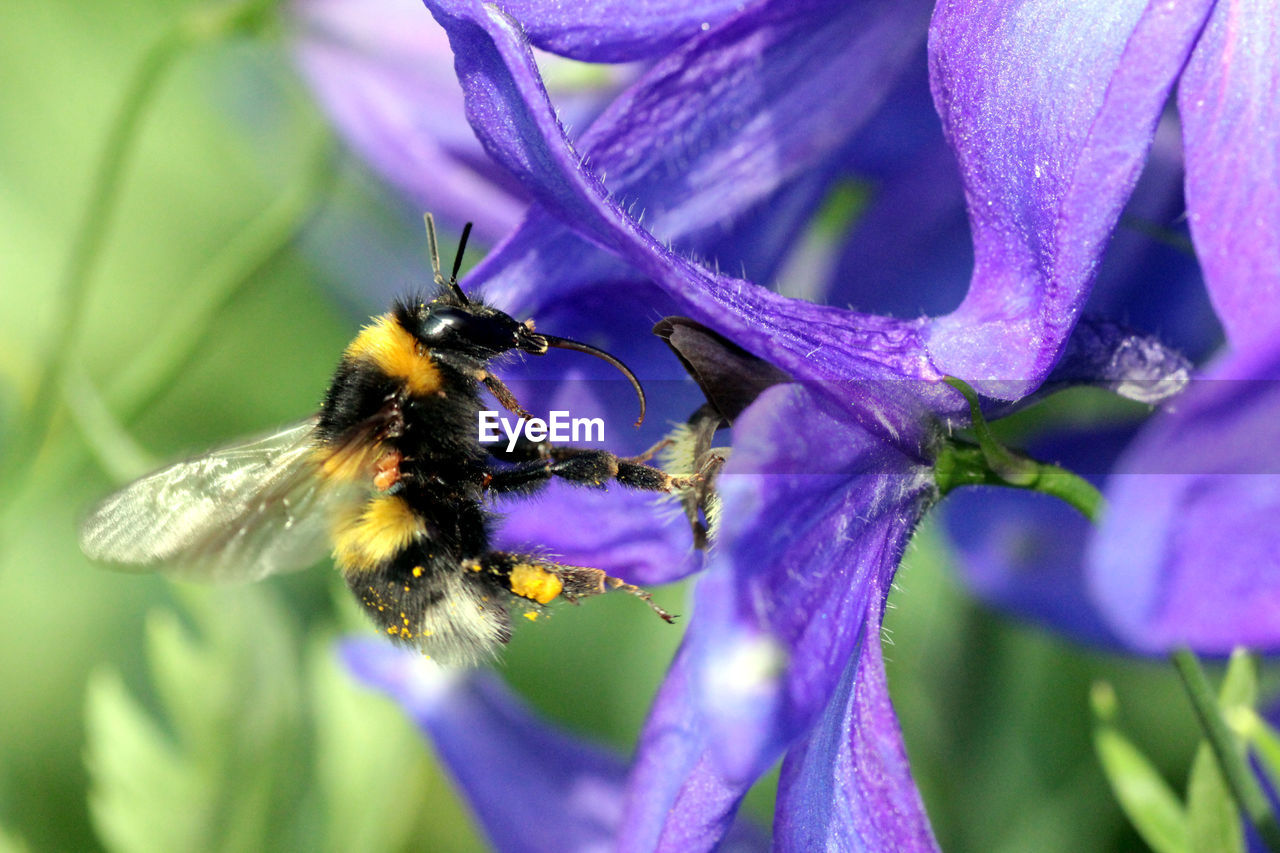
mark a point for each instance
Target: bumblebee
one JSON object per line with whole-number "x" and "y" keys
{"x": 391, "y": 478}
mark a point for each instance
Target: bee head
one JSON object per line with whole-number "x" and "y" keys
{"x": 472, "y": 329}
{"x": 477, "y": 331}
{"x": 455, "y": 323}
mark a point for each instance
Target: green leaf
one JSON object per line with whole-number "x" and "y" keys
{"x": 1264, "y": 739}
{"x": 222, "y": 769}
{"x": 1212, "y": 815}
{"x": 141, "y": 798}
{"x": 1240, "y": 682}
{"x": 253, "y": 750}
{"x": 370, "y": 762}
{"x": 1212, "y": 810}
{"x": 1148, "y": 801}
{"x": 11, "y": 843}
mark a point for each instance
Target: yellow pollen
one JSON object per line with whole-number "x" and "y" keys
{"x": 534, "y": 582}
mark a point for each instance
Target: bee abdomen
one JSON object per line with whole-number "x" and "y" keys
{"x": 376, "y": 535}
{"x": 422, "y": 598}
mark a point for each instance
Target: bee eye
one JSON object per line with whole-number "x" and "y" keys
{"x": 447, "y": 325}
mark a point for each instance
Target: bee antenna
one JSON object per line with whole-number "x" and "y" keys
{"x": 457, "y": 259}
{"x": 433, "y": 247}
{"x": 565, "y": 343}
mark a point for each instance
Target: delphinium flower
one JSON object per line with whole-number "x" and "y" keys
{"x": 532, "y": 786}
{"x": 384, "y": 75}
{"x": 1023, "y": 552}
{"x": 1185, "y": 554}
{"x": 831, "y": 472}
{"x": 745, "y": 216}
{"x": 630, "y": 135}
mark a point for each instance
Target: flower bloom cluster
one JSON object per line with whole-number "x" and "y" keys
{"x": 728, "y": 140}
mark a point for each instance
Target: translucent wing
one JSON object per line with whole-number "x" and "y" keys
{"x": 238, "y": 513}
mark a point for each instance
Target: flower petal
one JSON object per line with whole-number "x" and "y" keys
{"x": 1186, "y": 553}
{"x": 909, "y": 252}
{"x": 510, "y": 111}
{"x": 734, "y": 115}
{"x": 691, "y": 143}
{"x": 616, "y": 30}
{"x": 778, "y": 615}
{"x": 638, "y": 536}
{"x": 1152, "y": 244}
{"x": 815, "y": 516}
{"x": 532, "y": 787}
{"x": 387, "y": 82}
{"x": 1051, "y": 107}
{"x": 1130, "y": 364}
{"x": 677, "y": 800}
{"x": 847, "y": 785}
{"x": 626, "y": 533}
{"x": 1229, "y": 101}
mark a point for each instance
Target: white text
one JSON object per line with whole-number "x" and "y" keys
{"x": 558, "y": 427}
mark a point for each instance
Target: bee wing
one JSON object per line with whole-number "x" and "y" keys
{"x": 238, "y": 513}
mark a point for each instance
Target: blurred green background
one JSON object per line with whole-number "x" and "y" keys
{"x": 140, "y": 714}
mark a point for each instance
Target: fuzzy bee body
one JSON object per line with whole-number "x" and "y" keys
{"x": 391, "y": 478}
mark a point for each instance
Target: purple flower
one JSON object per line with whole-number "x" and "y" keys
{"x": 532, "y": 787}
{"x": 738, "y": 150}
{"x": 384, "y": 74}
{"x": 1184, "y": 555}
{"x": 747, "y": 122}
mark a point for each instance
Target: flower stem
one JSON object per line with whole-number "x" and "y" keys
{"x": 1240, "y": 779}
{"x": 1012, "y": 469}
{"x": 1070, "y": 487}
{"x": 85, "y": 249}
{"x": 200, "y": 25}
{"x": 992, "y": 464}
{"x": 231, "y": 270}
{"x": 101, "y": 417}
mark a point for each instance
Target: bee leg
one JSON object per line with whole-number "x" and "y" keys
{"x": 538, "y": 461}
{"x": 541, "y": 581}
{"x": 595, "y": 468}
{"x": 652, "y": 451}
{"x": 503, "y": 394}
{"x": 519, "y": 479}
{"x": 525, "y": 450}
{"x": 596, "y": 581}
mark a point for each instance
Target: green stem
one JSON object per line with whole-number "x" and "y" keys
{"x": 85, "y": 249}
{"x": 239, "y": 263}
{"x": 1167, "y": 236}
{"x": 201, "y": 25}
{"x": 990, "y": 463}
{"x": 104, "y": 434}
{"x": 1240, "y": 779}
{"x": 1013, "y": 469}
{"x": 1070, "y": 487}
